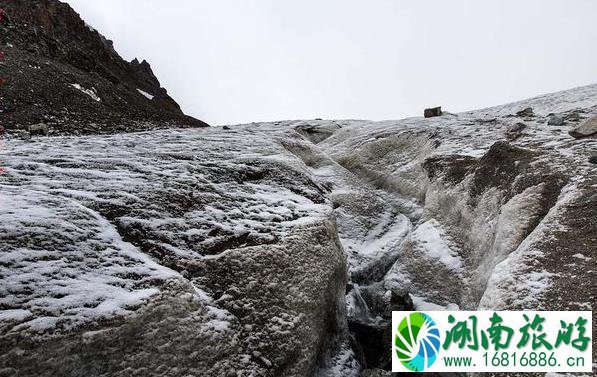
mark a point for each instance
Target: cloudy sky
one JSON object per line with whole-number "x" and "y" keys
{"x": 234, "y": 61}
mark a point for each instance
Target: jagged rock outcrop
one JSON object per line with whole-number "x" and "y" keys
{"x": 61, "y": 72}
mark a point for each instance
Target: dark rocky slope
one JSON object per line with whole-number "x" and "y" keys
{"x": 61, "y": 72}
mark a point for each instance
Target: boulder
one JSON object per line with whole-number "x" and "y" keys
{"x": 593, "y": 159}
{"x": 526, "y": 112}
{"x": 586, "y": 128}
{"x": 39, "y": 129}
{"x": 555, "y": 120}
{"x": 515, "y": 131}
{"x": 433, "y": 112}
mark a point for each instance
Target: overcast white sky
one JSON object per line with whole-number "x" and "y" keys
{"x": 234, "y": 61}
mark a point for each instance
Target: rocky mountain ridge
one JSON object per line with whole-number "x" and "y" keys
{"x": 61, "y": 72}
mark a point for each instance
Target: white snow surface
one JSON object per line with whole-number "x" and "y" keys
{"x": 188, "y": 190}
{"x": 145, "y": 94}
{"x": 432, "y": 241}
{"x": 90, "y": 92}
{"x": 90, "y": 272}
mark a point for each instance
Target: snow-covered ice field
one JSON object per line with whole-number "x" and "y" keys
{"x": 261, "y": 226}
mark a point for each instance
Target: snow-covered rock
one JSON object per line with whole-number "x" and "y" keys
{"x": 586, "y": 128}
{"x": 556, "y": 120}
{"x": 168, "y": 253}
{"x": 39, "y": 129}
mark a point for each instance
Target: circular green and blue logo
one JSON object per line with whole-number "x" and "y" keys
{"x": 417, "y": 341}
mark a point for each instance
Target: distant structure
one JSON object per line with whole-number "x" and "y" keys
{"x": 433, "y": 112}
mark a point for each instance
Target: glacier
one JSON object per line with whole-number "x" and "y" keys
{"x": 279, "y": 248}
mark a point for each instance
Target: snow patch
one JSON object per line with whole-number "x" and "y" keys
{"x": 581, "y": 256}
{"x": 421, "y": 303}
{"x": 14, "y": 315}
{"x": 145, "y": 94}
{"x": 75, "y": 267}
{"x": 430, "y": 239}
{"x": 90, "y": 92}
